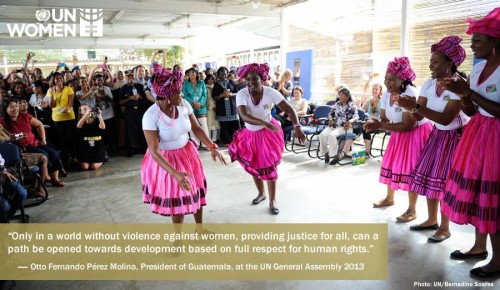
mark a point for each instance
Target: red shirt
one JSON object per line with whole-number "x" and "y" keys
{"x": 21, "y": 125}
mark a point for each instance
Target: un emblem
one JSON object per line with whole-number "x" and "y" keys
{"x": 42, "y": 15}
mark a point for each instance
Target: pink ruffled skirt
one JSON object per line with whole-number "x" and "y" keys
{"x": 402, "y": 155}
{"x": 471, "y": 193}
{"x": 259, "y": 152}
{"x": 162, "y": 191}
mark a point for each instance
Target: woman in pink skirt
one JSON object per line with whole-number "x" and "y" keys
{"x": 472, "y": 190}
{"x": 442, "y": 107}
{"x": 173, "y": 181}
{"x": 258, "y": 146}
{"x": 407, "y": 139}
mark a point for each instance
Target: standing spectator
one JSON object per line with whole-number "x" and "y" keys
{"x": 212, "y": 123}
{"x": 132, "y": 96}
{"x": 61, "y": 101}
{"x": 471, "y": 194}
{"x": 195, "y": 93}
{"x": 224, "y": 94}
{"x": 104, "y": 101}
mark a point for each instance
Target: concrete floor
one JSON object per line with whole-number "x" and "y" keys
{"x": 308, "y": 192}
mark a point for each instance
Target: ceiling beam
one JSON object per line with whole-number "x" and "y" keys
{"x": 117, "y": 16}
{"x": 86, "y": 43}
{"x": 167, "y": 6}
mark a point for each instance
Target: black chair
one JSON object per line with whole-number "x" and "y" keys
{"x": 381, "y": 149}
{"x": 26, "y": 175}
{"x": 316, "y": 126}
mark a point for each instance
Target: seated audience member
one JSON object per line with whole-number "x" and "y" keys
{"x": 372, "y": 109}
{"x": 23, "y": 125}
{"x": 90, "y": 146}
{"x": 343, "y": 115}
{"x": 299, "y": 105}
{"x": 284, "y": 85}
{"x": 12, "y": 194}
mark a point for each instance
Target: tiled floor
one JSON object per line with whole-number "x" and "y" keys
{"x": 308, "y": 192}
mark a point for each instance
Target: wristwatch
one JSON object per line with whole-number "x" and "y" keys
{"x": 415, "y": 110}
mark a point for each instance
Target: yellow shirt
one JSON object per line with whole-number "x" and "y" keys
{"x": 61, "y": 99}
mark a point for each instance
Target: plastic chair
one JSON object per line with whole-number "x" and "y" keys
{"x": 315, "y": 127}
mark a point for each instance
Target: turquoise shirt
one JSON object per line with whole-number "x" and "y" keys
{"x": 196, "y": 93}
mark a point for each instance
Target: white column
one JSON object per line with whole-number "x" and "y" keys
{"x": 405, "y": 29}
{"x": 284, "y": 37}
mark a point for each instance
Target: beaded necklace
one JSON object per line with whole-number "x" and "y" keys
{"x": 261, "y": 94}
{"x": 173, "y": 118}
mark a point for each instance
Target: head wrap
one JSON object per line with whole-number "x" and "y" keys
{"x": 262, "y": 70}
{"x": 450, "y": 46}
{"x": 489, "y": 25}
{"x": 166, "y": 82}
{"x": 400, "y": 66}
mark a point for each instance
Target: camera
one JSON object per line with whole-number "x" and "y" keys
{"x": 94, "y": 111}
{"x": 18, "y": 136}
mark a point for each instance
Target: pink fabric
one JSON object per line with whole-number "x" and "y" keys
{"x": 489, "y": 25}
{"x": 166, "y": 82}
{"x": 259, "y": 152}
{"x": 162, "y": 191}
{"x": 401, "y": 156}
{"x": 262, "y": 70}
{"x": 472, "y": 190}
{"x": 400, "y": 66}
{"x": 450, "y": 46}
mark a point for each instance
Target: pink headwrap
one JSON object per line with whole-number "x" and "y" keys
{"x": 166, "y": 82}
{"x": 262, "y": 70}
{"x": 450, "y": 46}
{"x": 489, "y": 25}
{"x": 400, "y": 66}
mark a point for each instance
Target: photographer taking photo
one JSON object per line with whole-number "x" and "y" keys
{"x": 91, "y": 151}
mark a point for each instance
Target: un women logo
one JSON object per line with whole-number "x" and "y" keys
{"x": 91, "y": 22}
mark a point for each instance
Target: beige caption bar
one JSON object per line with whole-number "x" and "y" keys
{"x": 227, "y": 252}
